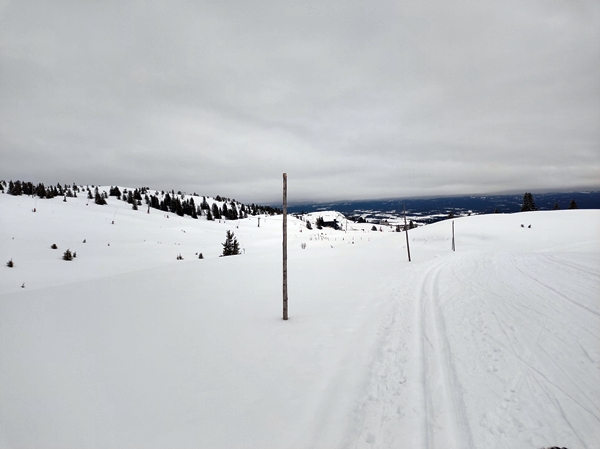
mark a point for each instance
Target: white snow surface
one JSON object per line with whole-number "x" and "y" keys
{"x": 496, "y": 345}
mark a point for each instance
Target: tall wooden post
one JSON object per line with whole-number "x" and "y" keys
{"x": 406, "y": 232}
{"x": 285, "y": 292}
{"x": 453, "y": 245}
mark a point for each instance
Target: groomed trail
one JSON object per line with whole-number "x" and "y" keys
{"x": 496, "y": 345}
{"x": 500, "y": 350}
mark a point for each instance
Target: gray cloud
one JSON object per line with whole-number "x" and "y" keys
{"x": 352, "y": 99}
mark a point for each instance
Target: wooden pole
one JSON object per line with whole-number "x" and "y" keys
{"x": 285, "y": 292}
{"x": 406, "y": 231}
{"x": 453, "y": 245}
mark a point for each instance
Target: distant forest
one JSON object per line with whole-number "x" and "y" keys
{"x": 179, "y": 203}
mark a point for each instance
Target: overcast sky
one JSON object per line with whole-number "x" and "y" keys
{"x": 353, "y": 99}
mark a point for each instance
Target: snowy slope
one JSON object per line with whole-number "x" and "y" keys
{"x": 494, "y": 345}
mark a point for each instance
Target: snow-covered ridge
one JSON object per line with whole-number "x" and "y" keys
{"x": 180, "y": 203}
{"x": 494, "y": 345}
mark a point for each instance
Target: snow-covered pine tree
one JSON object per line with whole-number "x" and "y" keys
{"x": 231, "y": 247}
{"x": 216, "y": 212}
{"x": 99, "y": 199}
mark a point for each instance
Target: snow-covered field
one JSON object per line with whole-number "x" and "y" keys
{"x": 496, "y": 345}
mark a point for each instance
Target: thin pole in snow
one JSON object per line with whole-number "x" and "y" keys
{"x": 285, "y": 292}
{"x": 406, "y": 231}
{"x": 453, "y": 245}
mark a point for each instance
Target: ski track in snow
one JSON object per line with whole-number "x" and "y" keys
{"x": 499, "y": 356}
{"x": 446, "y": 423}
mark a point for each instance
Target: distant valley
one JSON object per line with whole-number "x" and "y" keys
{"x": 430, "y": 210}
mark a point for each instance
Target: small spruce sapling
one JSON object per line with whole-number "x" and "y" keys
{"x": 231, "y": 247}
{"x": 10, "y": 263}
{"x": 54, "y": 246}
{"x": 67, "y": 255}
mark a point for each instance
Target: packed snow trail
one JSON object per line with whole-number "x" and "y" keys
{"x": 505, "y": 353}
{"x": 445, "y": 418}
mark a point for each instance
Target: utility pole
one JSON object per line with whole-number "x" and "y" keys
{"x": 285, "y": 292}
{"x": 406, "y": 231}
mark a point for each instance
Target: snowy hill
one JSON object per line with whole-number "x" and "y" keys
{"x": 496, "y": 345}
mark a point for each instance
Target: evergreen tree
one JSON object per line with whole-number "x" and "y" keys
{"x": 231, "y": 247}
{"x": 556, "y": 206}
{"x": 216, "y": 212}
{"x": 99, "y": 199}
{"x": 40, "y": 190}
{"x": 573, "y": 205}
{"x": 167, "y": 201}
{"x": 177, "y": 208}
{"x": 28, "y": 188}
{"x": 232, "y": 213}
{"x": 204, "y": 204}
{"x": 15, "y": 188}
{"x": 528, "y": 203}
{"x": 51, "y": 192}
